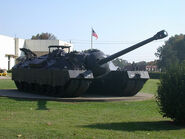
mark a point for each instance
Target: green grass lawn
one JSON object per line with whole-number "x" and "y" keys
{"x": 10, "y": 74}
{"x": 7, "y": 84}
{"x": 150, "y": 86}
{"x": 50, "y": 119}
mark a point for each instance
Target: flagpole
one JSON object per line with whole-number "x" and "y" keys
{"x": 91, "y": 40}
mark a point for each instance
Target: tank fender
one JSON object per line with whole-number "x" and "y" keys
{"x": 138, "y": 74}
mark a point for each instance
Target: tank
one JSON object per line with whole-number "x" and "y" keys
{"x": 70, "y": 74}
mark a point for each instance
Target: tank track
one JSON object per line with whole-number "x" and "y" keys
{"x": 116, "y": 83}
{"x": 73, "y": 88}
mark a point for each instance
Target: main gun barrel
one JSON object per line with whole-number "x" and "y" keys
{"x": 160, "y": 35}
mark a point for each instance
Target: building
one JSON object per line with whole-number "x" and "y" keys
{"x": 10, "y": 48}
{"x": 152, "y": 68}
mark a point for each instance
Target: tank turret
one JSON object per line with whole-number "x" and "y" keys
{"x": 121, "y": 82}
{"x": 65, "y": 74}
{"x": 97, "y": 61}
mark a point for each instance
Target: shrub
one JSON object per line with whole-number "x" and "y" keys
{"x": 9, "y": 71}
{"x": 155, "y": 75}
{"x": 171, "y": 93}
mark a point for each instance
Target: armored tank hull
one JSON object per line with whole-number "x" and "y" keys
{"x": 119, "y": 83}
{"x": 51, "y": 82}
{"x": 70, "y": 74}
{"x": 122, "y": 83}
{"x": 55, "y": 74}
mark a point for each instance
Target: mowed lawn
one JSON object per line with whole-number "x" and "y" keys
{"x": 49, "y": 119}
{"x": 7, "y": 84}
{"x": 150, "y": 86}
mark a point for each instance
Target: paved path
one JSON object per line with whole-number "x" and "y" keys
{"x": 12, "y": 93}
{"x": 5, "y": 77}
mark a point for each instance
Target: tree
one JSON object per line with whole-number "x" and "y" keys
{"x": 171, "y": 93}
{"x": 172, "y": 52}
{"x": 120, "y": 62}
{"x": 152, "y": 63}
{"x": 141, "y": 65}
{"x": 124, "y": 64}
{"x": 44, "y": 36}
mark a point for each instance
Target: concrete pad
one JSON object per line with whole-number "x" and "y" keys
{"x": 13, "y": 93}
{"x": 5, "y": 77}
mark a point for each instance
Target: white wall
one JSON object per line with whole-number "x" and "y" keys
{"x": 66, "y": 44}
{"x": 42, "y": 45}
{"x": 21, "y": 44}
{"x": 7, "y": 46}
{"x": 11, "y": 46}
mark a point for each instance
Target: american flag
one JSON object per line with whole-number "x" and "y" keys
{"x": 94, "y": 34}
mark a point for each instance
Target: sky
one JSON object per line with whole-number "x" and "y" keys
{"x": 118, "y": 23}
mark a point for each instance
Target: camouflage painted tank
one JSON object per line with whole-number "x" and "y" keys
{"x": 70, "y": 74}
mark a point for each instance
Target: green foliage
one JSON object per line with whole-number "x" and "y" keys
{"x": 9, "y": 71}
{"x": 44, "y": 36}
{"x": 124, "y": 64}
{"x": 171, "y": 93}
{"x": 172, "y": 52}
{"x": 139, "y": 65}
{"x": 120, "y": 62}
